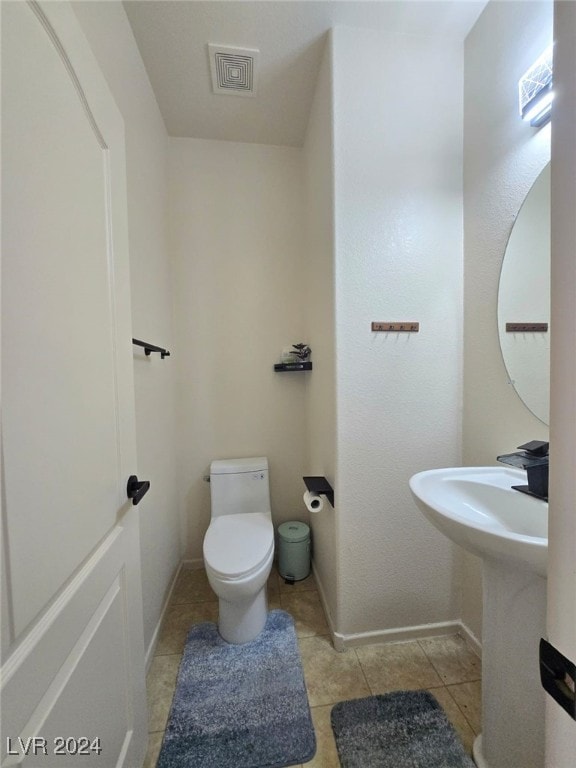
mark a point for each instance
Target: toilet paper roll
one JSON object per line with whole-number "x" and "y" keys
{"x": 314, "y": 503}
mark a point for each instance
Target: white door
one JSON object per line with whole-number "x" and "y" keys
{"x": 561, "y": 619}
{"x": 73, "y": 679}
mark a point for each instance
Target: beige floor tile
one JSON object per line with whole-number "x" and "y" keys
{"x": 326, "y": 753}
{"x": 272, "y": 585}
{"x": 304, "y": 585}
{"x": 154, "y": 745}
{"x": 330, "y": 676}
{"x": 160, "y": 685}
{"x": 452, "y": 659}
{"x": 306, "y": 609}
{"x": 397, "y": 666}
{"x": 454, "y": 714}
{"x": 274, "y": 602}
{"x": 178, "y": 621}
{"x": 468, "y": 696}
{"x": 192, "y": 587}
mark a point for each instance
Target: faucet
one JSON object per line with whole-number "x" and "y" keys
{"x": 533, "y": 457}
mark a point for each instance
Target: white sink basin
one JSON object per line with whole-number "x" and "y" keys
{"x": 477, "y": 508}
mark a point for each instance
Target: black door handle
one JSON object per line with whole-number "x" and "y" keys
{"x": 136, "y": 489}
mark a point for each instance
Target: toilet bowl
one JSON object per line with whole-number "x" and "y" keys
{"x": 238, "y": 554}
{"x": 239, "y": 546}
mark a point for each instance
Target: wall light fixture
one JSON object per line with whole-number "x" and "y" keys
{"x": 535, "y": 92}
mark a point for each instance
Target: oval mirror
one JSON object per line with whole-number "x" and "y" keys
{"x": 524, "y": 300}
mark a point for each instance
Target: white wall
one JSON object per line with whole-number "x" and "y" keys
{"x": 398, "y": 210}
{"x": 502, "y": 158}
{"x": 320, "y": 324}
{"x": 237, "y": 221}
{"x": 110, "y": 35}
{"x": 381, "y": 171}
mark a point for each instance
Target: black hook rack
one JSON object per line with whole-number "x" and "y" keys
{"x": 148, "y": 348}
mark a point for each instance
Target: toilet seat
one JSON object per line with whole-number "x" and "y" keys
{"x": 236, "y": 546}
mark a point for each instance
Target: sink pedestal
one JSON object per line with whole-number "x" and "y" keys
{"x": 512, "y": 698}
{"x": 478, "y": 509}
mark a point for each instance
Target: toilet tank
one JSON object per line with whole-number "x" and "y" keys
{"x": 239, "y": 485}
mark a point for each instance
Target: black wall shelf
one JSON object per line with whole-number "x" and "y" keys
{"x": 321, "y": 486}
{"x": 303, "y": 366}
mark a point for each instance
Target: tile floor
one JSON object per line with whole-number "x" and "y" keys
{"x": 443, "y": 665}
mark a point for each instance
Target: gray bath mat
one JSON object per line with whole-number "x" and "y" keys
{"x": 240, "y": 706}
{"x": 405, "y": 729}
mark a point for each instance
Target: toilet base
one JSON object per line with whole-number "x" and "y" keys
{"x": 241, "y": 622}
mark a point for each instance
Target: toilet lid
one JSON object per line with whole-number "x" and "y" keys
{"x": 236, "y": 545}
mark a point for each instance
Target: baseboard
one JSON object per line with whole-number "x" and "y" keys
{"x": 327, "y": 614}
{"x": 471, "y": 639}
{"x": 396, "y": 635}
{"x": 193, "y": 564}
{"x": 403, "y": 634}
{"x": 341, "y": 642}
{"x": 155, "y": 635}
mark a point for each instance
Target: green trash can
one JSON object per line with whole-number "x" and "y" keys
{"x": 294, "y": 551}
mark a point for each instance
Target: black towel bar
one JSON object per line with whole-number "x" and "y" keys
{"x": 148, "y": 348}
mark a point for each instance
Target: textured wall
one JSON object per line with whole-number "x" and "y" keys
{"x": 237, "y": 238}
{"x": 110, "y": 35}
{"x": 398, "y": 208}
{"x": 320, "y": 324}
{"x": 502, "y": 158}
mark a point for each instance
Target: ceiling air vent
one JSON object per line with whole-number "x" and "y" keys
{"x": 233, "y": 69}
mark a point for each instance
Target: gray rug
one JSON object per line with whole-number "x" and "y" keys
{"x": 240, "y": 706}
{"x": 405, "y": 729}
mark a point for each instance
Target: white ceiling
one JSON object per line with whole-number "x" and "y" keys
{"x": 172, "y": 36}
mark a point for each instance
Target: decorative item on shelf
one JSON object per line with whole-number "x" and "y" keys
{"x": 288, "y": 355}
{"x": 302, "y": 351}
{"x": 295, "y": 358}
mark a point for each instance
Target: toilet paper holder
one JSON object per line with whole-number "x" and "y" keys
{"x": 321, "y": 486}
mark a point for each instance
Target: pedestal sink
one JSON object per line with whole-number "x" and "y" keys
{"x": 477, "y": 508}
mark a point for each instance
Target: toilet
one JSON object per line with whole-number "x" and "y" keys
{"x": 239, "y": 545}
